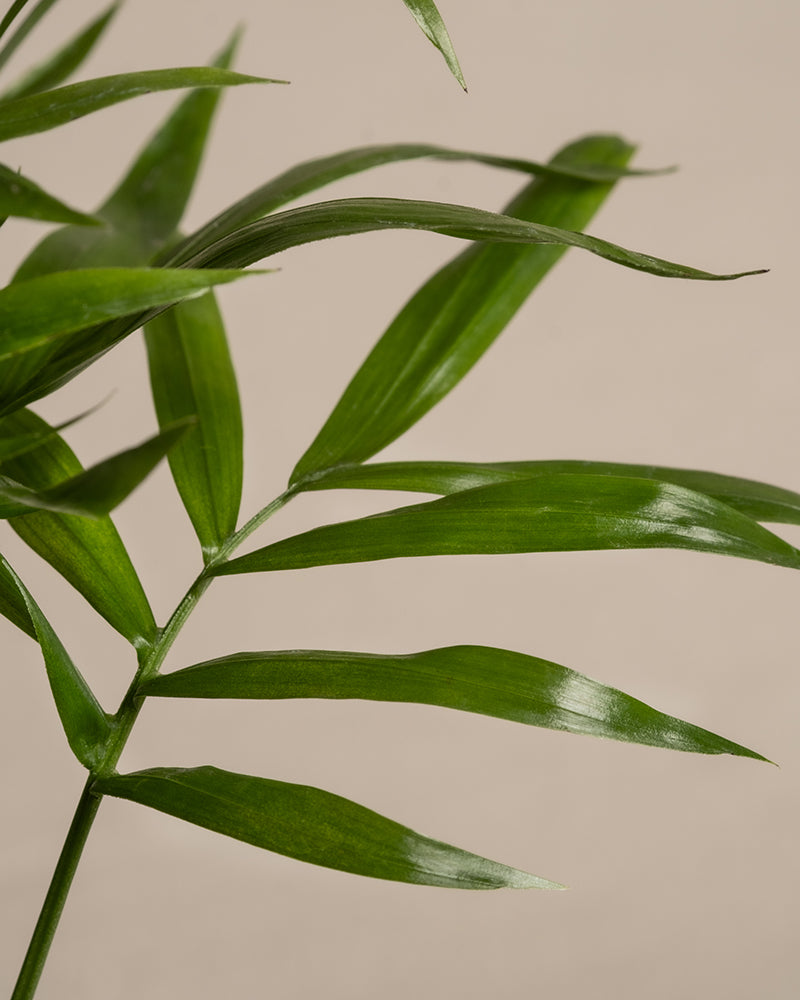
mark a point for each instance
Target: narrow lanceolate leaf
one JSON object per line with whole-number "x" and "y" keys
{"x": 14, "y": 445}
{"x": 24, "y": 29}
{"x": 312, "y": 825}
{"x": 314, "y": 174}
{"x": 38, "y": 316}
{"x": 62, "y": 63}
{"x": 192, "y": 375}
{"x": 86, "y": 725}
{"x": 23, "y": 198}
{"x": 482, "y": 679}
{"x": 87, "y": 553}
{"x": 98, "y": 490}
{"x": 430, "y": 20}
{"x": 12, "y": 603}
{"x": 449, "y": 323}
{"x": 760, "y": 501}
{"x": 556, "y": 513}
{"x": 41, "y": 112}
{"x": 11, "y": 14}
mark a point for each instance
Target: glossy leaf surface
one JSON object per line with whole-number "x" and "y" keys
{"x": 311, "y": 825}
{"x": 555, "y": 513}
{"x": 427, "y": 16}
{"x": 760, "y": 501}
{"x": 192, "y": 375}
{"x": 87, "y": 553}
{"x": 12, "y": 603}
{"x": 98, "y": 490}
{"x": 22, "y": 198}
{"x": 85, "y": 723}
{"x": 489, "y": 681}
{"x": 40, "y": 112}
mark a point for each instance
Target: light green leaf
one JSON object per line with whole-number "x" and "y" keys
{"x": 482, "y": 679}
{"x": 63, "y": 62}
{"x": 430, "y": 20}
{"x": 85, "y": 723}
{"x": 760, "y": 501}
{"x": 192, "y": 375}
{"x": 12, "y": 604}
{"x": 87, "y": 553}
{"x": 311, "y": 825}
{"x": 24, "y": 29}
{"x": 40, "y": 112}
{"x": 38, "y": 316}
{"x": 23, "y": 198}
{"x": 14, "y": 445}
{"x": 98, "y": 490}
{"x": 555, "y": 513}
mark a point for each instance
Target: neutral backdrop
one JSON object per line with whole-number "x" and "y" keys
{"x": 683, "y": 870}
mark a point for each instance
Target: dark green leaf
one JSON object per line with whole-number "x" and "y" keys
{"x": 23, "y": 198}
{"x": 11, "y": 14}
{"x": 192, "y": 376}
{"x": 24, "y": 29}
{"x": 430, "y": 20}
{"x": 311, "y": 825}
{"x": 98, "y": 490}
{"x": 12, "y": 604}
{"x": 556, "y": 513}
{"x": 760, "y": 501}
{"x": 495, "y": 682}
{"x": 85, "y": 723}
{"x": 38, "y": 316}
{"x": 40, "y": 112}
{"x": 87, "y": 553}
{"x": 63, "y": 62}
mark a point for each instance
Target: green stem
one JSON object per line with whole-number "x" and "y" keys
{"x": 88, "y": 804}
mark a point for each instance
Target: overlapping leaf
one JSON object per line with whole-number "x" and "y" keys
{"x": 482, "y": 679}
{"x": 23, "y": 198}
{"x": 311, "y": 825}
{"x": 553, "y": 513}
{"x": 12, "y": 603}
{"x": 86, "y": 725}
{"x": 760, "y": 501}
{"x": 427, "y": 16}
{"x": 87, "y": 553}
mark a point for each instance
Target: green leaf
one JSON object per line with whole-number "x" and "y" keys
{"x": 87, "y": 553}
{"x": 63, "y": 62}
{"x": 38, "y": 316}
{"x": 449, "y": 323}
{"x": 12, "y": 604}
{"x": 40, "y": 112}
{"x": 85, "y": 723}
{"x": 313, "y": 174}
{"x": 98, "y": 490}
{"x": 14, "y": 445}
{"x": 192, "y": 375}
{"x": 430, "y": 20}
{"x": 757, "y": 500}
{"x": 556, "y": 513}
{"x": 24, "y": 29}
{"x": 11, "y": 14}
{"x": 23, "y": 198}
{"x": 482, "y": 679}
{"x": 311, "y": 825}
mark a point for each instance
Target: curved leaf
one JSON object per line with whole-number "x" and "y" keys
{"x": 23, "y": 198}
{"x": 12, "y": 604}
{"x": 24, "y": 29}
{"x": 555, "y": 513}
{"x": 40, "y": 112}
{"x": 430, "y": 20}
{"x": 192, "y": 375}
{"x": 11, "y": 14}
{"x": 87, "y": 553}
{"x": 482, "y": 679}
{"x": 86, "y": 725}
{"x": 311, "y": 825}
{"x": 757, "y": 500}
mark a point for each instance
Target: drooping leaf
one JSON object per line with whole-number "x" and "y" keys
{"x": 142, "y": 214}
{"x": 12, "y": 604}
{"x": 311, "y": 825}
{"x": 87, "y": 553}
{"x": 24, "y": 29}
{"x": 430, "y": 20}
{"x": 482, "y": 679}
{"x": 192, "y": 375}
{"x": 760, "y": 501}
{"x": 86, "y": 725}
{"x": 555, "y": 513}
{"x": 40, "y": 112}
{"x": 38, "y": 316}
{"x": 62, "y": 63}
{"x": 22, "y": 198}
{"x": 98, "y": 490}
{"x": 314, "y": 174}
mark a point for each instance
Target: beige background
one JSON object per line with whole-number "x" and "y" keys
{"x": 683, "y": 870}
